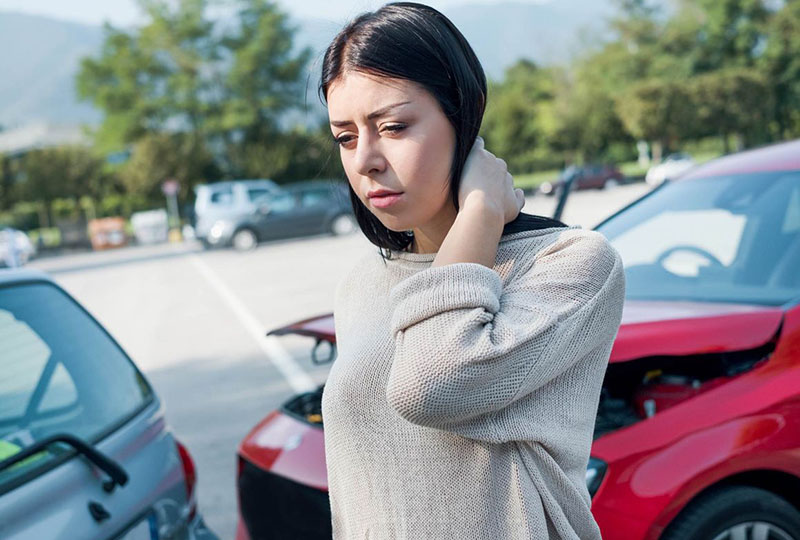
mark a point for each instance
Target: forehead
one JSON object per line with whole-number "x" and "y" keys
{"x": 356, "y": 94}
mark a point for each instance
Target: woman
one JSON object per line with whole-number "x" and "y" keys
{"x": 472, "y": 347}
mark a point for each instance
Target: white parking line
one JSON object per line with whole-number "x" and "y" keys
{"x": 298, "y": 379}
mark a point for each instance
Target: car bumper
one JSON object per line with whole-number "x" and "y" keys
{"x": 272, "y": 506}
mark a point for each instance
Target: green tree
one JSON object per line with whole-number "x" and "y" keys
{"x": 781, "y": 64}
{"x": 7, "y": 176}
{"x": 659, "y": 111}
{"x": 518, "y": 116}
{"x": 67, "y": 172}
{"x": 155, "y": 78}
{"x": 162, "y": 156}
{"x": 730, "y": 34}
{"x": 731, "y": 101}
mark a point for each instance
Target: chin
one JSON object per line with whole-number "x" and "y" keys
{"x": 395, "y": 225}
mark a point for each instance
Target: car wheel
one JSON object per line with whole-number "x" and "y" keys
{"x": 244, "y": 240}
{"x": 737, "y": 513}
{"x": 342, "y": 224}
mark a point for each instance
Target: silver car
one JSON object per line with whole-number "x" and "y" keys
{"x": 223, "y": 202}
{"x": 85, "y": 451}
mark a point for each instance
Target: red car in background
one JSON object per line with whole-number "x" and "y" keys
{"x": 698, "y": 427}
{"x": 596, "y": 176}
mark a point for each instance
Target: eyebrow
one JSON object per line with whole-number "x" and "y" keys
{"x": 372, "y": 115}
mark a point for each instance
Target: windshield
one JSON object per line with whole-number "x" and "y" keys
{"x": 61, "y": 373}
{"x": 722, "y": 239}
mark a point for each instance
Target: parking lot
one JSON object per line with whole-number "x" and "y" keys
{"x": 194, "y": 322}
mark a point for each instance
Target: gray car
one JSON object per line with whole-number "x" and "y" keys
{"x": 85, "y": 451}
{"x": 221, "y": 202}
{"x": 298, "y": 209}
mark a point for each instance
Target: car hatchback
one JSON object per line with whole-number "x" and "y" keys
{"x": 85, "y": 451}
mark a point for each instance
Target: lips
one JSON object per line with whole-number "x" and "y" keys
{"x": 384, "y": 199}
{"x": 382, "y": 193}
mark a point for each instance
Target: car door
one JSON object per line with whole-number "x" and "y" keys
{"x": 316, "y": 206}
{"x": 65, "y": 379}
{"x": 277, "y": 216}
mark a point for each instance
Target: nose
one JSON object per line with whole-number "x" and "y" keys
{"x": 368, "y": 159}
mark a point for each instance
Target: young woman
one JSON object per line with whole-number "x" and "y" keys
{"x": 472, "y": 346}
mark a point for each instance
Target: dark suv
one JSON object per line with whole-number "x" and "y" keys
{"x": 298, "y": 209}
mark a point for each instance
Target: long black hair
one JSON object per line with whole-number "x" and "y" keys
{"x": 410, "y": 41}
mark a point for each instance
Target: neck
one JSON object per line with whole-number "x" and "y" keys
{"x": 428, "y": 238}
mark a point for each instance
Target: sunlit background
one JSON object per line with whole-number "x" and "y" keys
{"x": 128, "y": 129}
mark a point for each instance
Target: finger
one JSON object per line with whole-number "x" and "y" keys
{"x": 502, "y": 163}
{"x": 520, "y": 197}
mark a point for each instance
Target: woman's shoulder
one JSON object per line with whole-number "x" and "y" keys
{"x": 565, "y": 252}
{"x": 573, "y": 238}
{"x": 366, "y": 268}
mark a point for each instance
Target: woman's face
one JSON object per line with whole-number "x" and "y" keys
{"x": 394, "y": 136}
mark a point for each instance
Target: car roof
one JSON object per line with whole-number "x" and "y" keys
{"x": 10, "y": 276}
{"x": 310, "y": 184}
{"x": 773, "y": 158}
{"x": 229, "y": 183}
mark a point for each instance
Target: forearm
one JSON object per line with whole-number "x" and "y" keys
{"x": 474, "y": 235}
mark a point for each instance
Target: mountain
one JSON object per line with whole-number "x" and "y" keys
{"x": 39, "y": 56}
{"x": 38, "y": 61}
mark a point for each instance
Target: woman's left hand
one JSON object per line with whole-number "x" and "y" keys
{"x": 486, "y": 181}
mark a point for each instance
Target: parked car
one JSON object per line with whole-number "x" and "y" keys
{"x": 85, "y": 451}
{"x": 587, "y": 177}
{"x": 672, "y": 167}
{"x": 229, "y": 200}
{"x": 15, "y": 248}
{"x": 697, "y": 434}
{"x": 298, "y": 209}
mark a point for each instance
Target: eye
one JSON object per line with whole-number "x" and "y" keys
{"x": 343, "y": 140}
{"x": 395, "y": 128}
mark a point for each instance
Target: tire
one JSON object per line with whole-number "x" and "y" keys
{"x": 342, "y": 224}
{"x": 746, "y": 511}
{"x": 244, "y": 240}
{"x": 611, "y": 183}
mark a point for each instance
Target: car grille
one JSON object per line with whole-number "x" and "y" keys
{"x": 275, "y": 508}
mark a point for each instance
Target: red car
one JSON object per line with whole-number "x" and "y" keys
{"x": 698, "y": 428}
{"x": 596, "y": 176}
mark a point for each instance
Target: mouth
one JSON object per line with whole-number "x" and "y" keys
{"x": 384, "y": 200}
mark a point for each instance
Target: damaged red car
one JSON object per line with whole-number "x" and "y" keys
{"x": 698, "y": 427}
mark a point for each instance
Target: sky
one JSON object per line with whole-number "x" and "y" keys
{"x": 125, "y": 12}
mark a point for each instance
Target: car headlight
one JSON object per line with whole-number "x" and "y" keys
{"x": 595, "y": 472}
{"x": 219, "y": 229}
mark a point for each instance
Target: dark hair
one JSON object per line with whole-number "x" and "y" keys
{"x": 410, "y": 41}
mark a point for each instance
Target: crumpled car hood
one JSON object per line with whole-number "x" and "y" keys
{"x": 671, "y": 328}
{"x": 649, "y": 328}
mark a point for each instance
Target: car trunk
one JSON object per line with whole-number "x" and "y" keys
{"x": 664, "y": 353}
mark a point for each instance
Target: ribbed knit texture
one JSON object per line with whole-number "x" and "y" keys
{"x": 463, "y": 399}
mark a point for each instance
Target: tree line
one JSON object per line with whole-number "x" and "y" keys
{"x": 197, "y": 99}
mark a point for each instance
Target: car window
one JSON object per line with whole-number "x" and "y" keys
{"x": 281, "y": 204}
{"x": 315, "y": 197}
{"x": 255, "y": 193}
{"x": 61, "y": 374}
{"x": 729, "y": 238}
{"x": 223, "y": 196}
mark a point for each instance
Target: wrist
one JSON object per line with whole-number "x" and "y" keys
{"x": 477, "y": 204}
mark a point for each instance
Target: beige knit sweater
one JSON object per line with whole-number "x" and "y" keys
{"x": 463, "y": 399}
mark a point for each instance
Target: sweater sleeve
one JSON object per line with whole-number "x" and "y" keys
{"x": 466, "y": 346}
